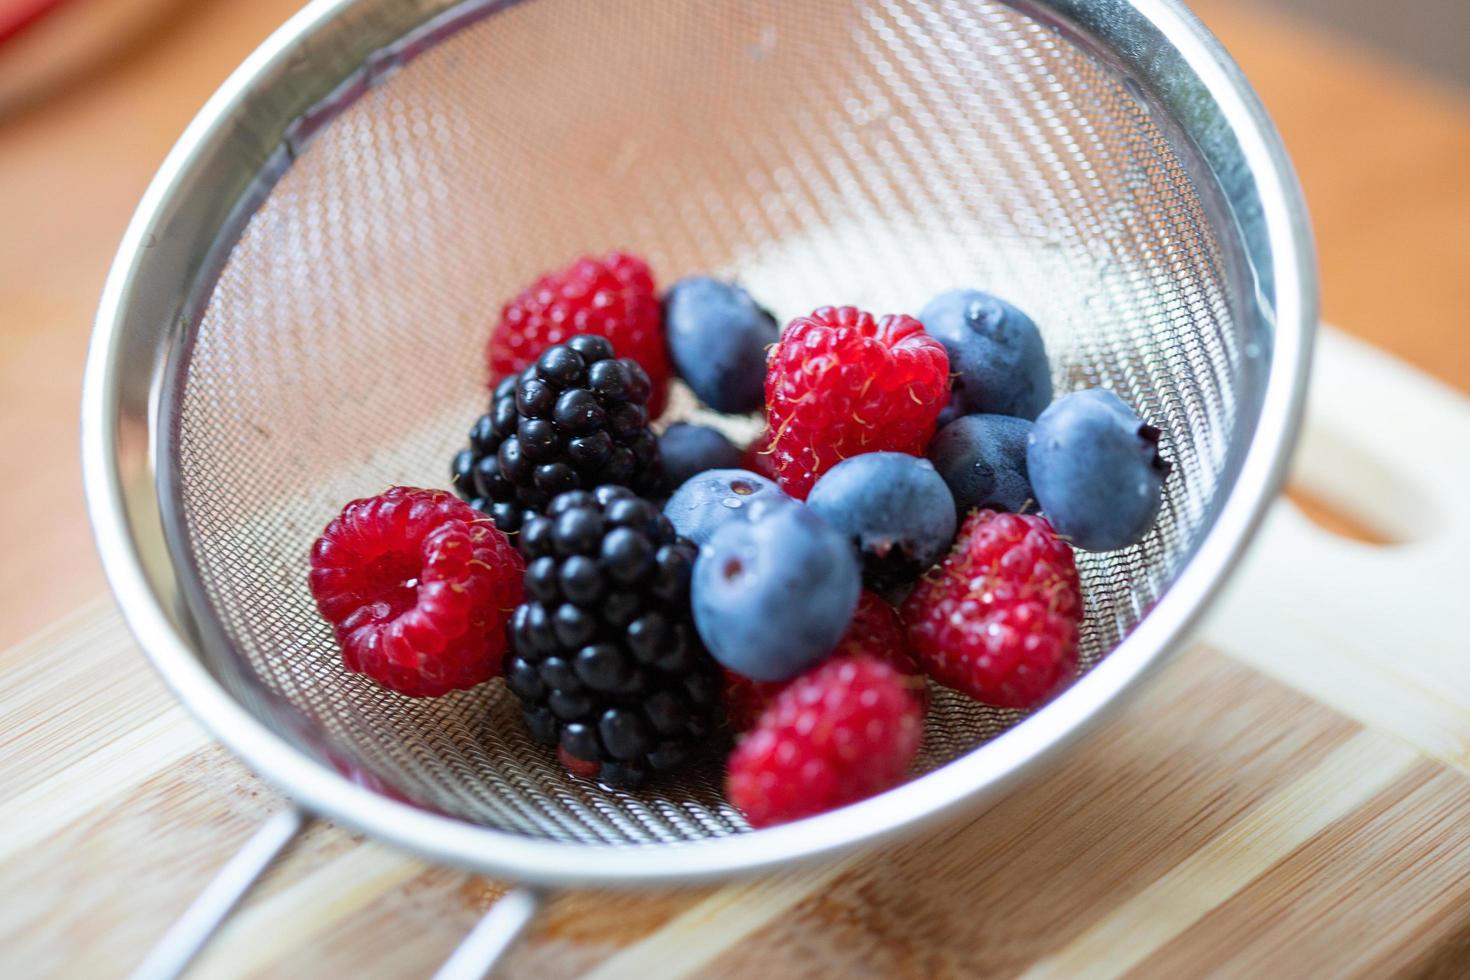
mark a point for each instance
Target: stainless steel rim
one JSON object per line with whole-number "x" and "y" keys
{"x": 310, "y": 58}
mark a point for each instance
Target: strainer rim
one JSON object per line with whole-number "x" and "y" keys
{"x": 975, "y": 777}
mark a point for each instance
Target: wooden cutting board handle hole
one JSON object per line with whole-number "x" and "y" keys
{"x": 1337, "y": 520}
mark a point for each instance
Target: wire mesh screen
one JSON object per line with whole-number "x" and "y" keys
{"x": 867, "y": 153}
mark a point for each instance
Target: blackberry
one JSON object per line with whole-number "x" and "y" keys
{"x": 606, "y": 660}
{"x": 575, "y": 419}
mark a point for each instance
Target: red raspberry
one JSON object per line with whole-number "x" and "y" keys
{"x": 998, "y": 617}
{"x": 875, "y": 632}
{"x": 758, "y": 457}
{"x": 418, "y": 587}
{"x": 745, "y": 699}
{"x": 845, "y": 730}
{"x": 841, "y": 383}
{"x": 612, "y": 297}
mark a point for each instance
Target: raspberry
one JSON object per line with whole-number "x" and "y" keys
{"x": 418, "y": 588}
{"x": 758, "y": 458}
{"x": 841, "y": 383}
{"x": 875, "y": 632}
{"x": 611, "y": 297}
{"x": 998, "y": 618}
{"x": 745, "y": 699}
{"x": 845, "y": 730}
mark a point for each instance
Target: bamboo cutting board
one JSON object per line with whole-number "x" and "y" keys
{"x": 1289, "y": 798}
{"x": 1292, "y": 796}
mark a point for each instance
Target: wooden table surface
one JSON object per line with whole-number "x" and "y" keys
{"x": 1158, "y": 847}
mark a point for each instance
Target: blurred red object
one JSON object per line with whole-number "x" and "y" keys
{"x": 45, "y": 42}
{"x": 17, "y": 15}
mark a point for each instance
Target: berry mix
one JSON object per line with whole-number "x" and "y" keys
{"x": 907, "y": 516}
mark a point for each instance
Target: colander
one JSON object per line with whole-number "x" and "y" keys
{"x": 297, "y": 312}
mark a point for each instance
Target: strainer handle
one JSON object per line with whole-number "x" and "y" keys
{"x": 493, "y": 936}
{"x": 202, "y": 919}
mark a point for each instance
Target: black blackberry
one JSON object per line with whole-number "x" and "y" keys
{"x": 606, "y": 660}
{"x": 575, "y": 419}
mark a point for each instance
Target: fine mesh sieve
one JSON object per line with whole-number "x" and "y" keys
{"x": 298, "y": 316}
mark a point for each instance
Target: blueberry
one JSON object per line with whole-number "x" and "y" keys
{"x": 1096, "y": 470}
{"x": 995, "y": 353}
{"x": 771, "y": 597}
{"x": 706, "y": 501}
{"x": 717, "y": 338}
{"x": 983, "y": 460}
{"x": 894, "y": 508}
{"x": 691, "y": 449}
{"x": 948, "y": 414}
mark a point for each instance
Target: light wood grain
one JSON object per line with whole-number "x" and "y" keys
{"x": 1353, "y": 775}
{"x": 1380, "y": 891}
{"x": 1268, "y": 807}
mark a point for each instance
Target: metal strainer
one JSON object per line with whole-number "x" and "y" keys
{"x": 297, "y": 313}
